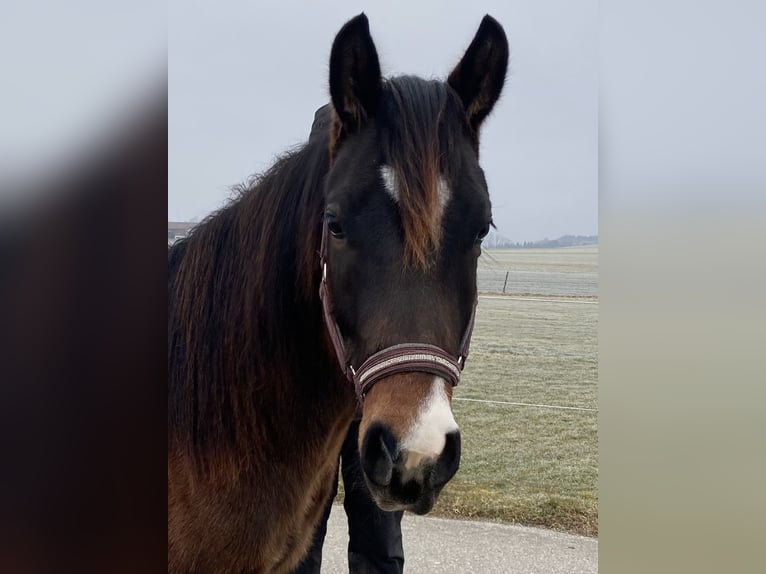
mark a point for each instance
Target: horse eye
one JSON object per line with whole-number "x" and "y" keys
{"x": 334, "y": 226}
{"x": 482, "y": 234}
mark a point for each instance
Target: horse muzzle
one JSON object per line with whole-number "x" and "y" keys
{"x": 409, "y": 442}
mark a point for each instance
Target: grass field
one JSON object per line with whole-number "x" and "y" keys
{"x": 527, "y": 464}
{"x": 530, "y": 464}
{"x": 566, "y": 271}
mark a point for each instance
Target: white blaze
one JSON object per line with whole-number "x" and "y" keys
{"x": 444, "y": 194}
{"x": 428, "y": 434}
{"x": 389, "y": 182}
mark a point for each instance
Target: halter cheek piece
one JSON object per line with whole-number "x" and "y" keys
{"x": 405, "y": 357}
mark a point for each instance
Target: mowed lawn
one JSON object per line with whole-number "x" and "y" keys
{"x": 528, "y": 464}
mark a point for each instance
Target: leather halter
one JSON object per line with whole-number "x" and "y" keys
{"x": 404, "y": 357}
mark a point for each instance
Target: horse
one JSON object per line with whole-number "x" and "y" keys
{"x": 342, "y": 280}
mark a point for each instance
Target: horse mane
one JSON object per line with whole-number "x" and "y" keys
{"x": 417, "y": 139}
{"x": 241, "y": 307}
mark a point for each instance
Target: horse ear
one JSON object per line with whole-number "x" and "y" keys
{"x": 355, "y": 79}
{"x": 479, "y": 77}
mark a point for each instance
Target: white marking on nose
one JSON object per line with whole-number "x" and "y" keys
{"x": 389, "y": 182}
{"x": 428, "y": 434}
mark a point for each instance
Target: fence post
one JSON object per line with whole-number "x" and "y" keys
{"x": 506, "y": 281}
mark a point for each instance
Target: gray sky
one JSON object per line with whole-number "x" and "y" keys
{"x": 246, "y": 77}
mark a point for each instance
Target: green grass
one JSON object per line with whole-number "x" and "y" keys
{"x": 524, "y": 464}
{"x": 527, "y": 466}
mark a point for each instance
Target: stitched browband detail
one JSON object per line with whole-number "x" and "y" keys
{"x": 406, "y": 357}
{"x": 411, "y": 359}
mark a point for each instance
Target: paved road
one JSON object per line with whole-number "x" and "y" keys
{"x": 435, "y": 545}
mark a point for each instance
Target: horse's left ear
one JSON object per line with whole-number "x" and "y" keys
{"x": 355, "y": 79}
{"x": 479, "y": 77}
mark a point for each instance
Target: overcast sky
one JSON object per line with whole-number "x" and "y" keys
{"x": 246, "y": 77}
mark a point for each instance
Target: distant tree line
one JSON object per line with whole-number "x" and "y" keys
{"x": 496, "y": 241}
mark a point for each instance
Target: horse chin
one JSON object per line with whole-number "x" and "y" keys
{"x": 423, "y": 506}
{"x": 388, "y": 505}
{"x": 422, "y": 503}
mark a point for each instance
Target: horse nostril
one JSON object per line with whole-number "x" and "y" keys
{"x": 449, "y": 460}
{"x": 378, "y": 453}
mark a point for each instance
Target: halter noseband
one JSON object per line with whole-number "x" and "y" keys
{"x": 405, "y": 357}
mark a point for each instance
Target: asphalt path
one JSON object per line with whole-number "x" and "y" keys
{"x": 435, "y": 545}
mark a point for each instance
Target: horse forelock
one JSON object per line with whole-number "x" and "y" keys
{"x": 417, "y": 138}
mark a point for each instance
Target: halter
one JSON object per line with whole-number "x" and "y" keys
{"x": 404, "y": 357}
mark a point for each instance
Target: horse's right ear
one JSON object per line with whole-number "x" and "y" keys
{"x": 355, "y": 79}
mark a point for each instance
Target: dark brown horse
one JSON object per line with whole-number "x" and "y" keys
{"x": 393, "y": 202}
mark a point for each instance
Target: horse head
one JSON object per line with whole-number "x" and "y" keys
{"x": 406, "y": 209}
